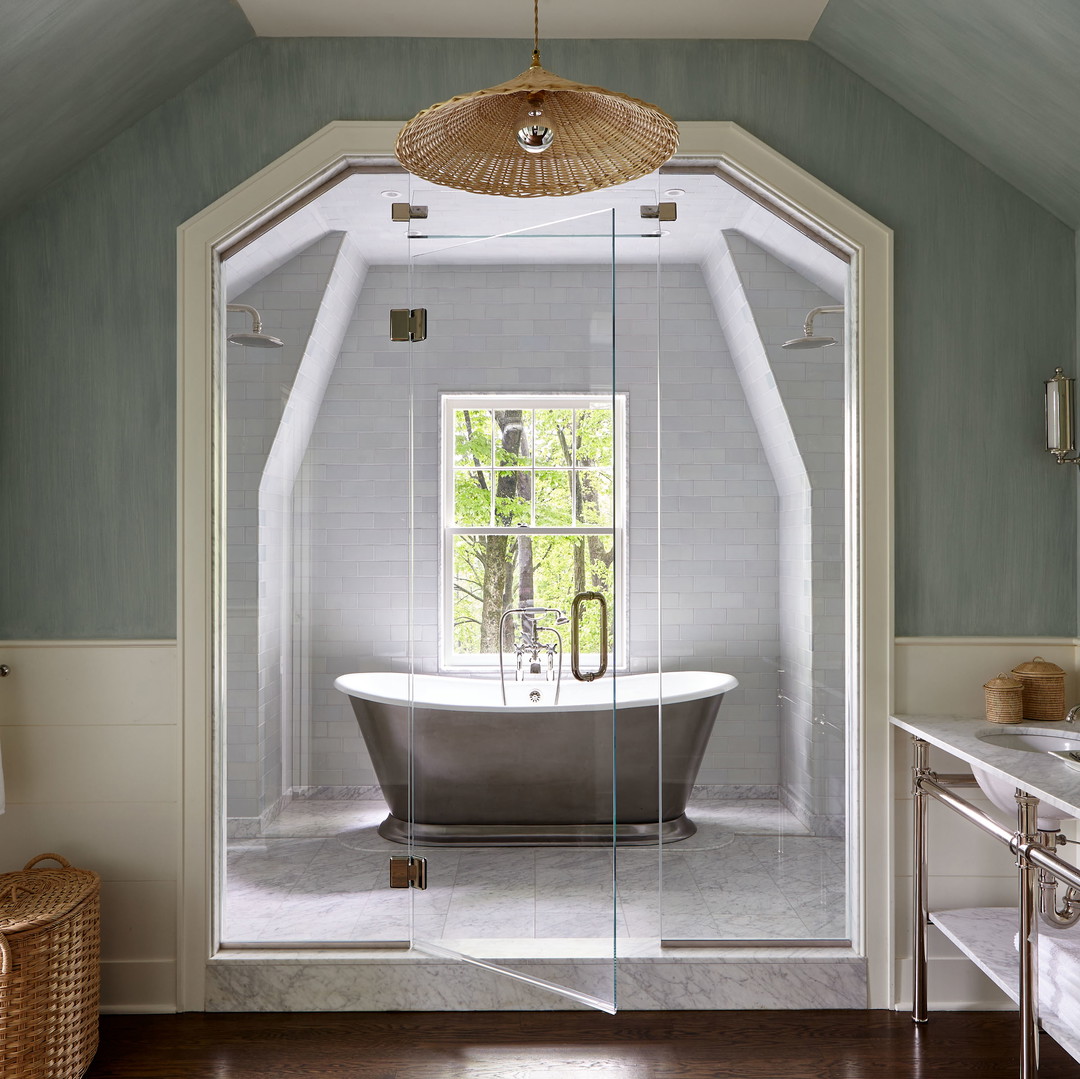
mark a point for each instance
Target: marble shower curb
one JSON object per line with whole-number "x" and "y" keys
{"x": 716, "y": 979}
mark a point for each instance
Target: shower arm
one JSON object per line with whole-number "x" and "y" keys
{"x": 808, "y": 325}
{"x": 256, "y": 322}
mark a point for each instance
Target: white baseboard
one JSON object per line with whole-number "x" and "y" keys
{"x": 141, "y": 985}
{"x": 136, "y": 1009}
{"x": 954, "y": 984}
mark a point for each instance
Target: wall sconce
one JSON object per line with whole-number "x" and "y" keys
{"x": 1059, "y": 417}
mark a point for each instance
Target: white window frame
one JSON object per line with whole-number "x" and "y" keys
{"x": 449, "y": 403}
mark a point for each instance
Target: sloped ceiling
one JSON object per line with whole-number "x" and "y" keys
{"x": 75, "y": 73}
{"x": 1000, "y": 78}
{"x": 997, "y": 77}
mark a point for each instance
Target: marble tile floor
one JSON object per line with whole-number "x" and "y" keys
{"x": 319, "y": 873}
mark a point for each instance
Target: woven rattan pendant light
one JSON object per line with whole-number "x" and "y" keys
{"x": 573, "y": 138}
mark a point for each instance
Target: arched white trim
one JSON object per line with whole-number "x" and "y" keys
{"x": 299, "y": 172}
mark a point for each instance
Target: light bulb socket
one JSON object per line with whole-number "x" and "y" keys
{"x": 535, "y": 132}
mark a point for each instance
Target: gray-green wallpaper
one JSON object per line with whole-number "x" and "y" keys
{"x": 998, "y": 78}
{"x": 73, "y": 75}
{"x": 985, "y": 524}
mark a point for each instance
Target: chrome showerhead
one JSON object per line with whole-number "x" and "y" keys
{"x": 809, "y": 339}
{"x": 253, "y": 338}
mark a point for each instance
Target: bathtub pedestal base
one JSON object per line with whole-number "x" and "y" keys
{"x": 537, "y": 835}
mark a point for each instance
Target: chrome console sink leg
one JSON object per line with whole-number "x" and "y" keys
{"x": 1027, "y": 873}
{"x": 920, "y": 914}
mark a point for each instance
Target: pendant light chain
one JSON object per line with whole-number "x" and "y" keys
{"x": 536, "y": 33}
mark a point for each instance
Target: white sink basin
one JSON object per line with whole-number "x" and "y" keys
{"x": 1031, "y": 742}
{"x": 1000, "y": 791}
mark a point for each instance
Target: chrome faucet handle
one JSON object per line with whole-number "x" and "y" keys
{"x": 1072, "y": 714}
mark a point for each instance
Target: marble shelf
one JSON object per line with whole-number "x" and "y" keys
{"x": 986, "y": 935}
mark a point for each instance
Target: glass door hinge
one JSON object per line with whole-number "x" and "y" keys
{"x": 407, "y": 872}
{"x": 402, "y": 211}
{"x": 406, "y": 325}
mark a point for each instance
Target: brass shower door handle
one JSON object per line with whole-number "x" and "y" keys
{"x": 575, "y": 636}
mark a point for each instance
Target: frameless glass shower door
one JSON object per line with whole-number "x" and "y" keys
{"x": 517, "y": 490}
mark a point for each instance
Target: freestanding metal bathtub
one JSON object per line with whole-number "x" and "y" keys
{"x": 530, "y": 771}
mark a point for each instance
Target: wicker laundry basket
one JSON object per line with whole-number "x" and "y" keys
{"x": 50, "y": 932}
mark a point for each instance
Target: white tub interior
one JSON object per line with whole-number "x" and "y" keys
{"x": 485, "y": 694}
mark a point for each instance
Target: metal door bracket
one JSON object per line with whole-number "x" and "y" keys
{"x": 402, "y": 211}
{"x": 666, "y": 211}
{"x": 406, "y": 325}
{"x": 407, "y": 872}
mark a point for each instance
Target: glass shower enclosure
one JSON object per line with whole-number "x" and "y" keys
{"x": 504, "y": 515}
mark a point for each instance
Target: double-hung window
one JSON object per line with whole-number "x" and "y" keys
{"x": 532, "y": 514}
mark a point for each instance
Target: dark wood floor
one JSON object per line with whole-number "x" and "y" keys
{"x": 567, "y": 1045}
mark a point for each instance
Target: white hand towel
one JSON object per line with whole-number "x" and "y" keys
{"x": 1059, "y": 972}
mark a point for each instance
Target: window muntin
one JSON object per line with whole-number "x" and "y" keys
{"x": 531, "y": 511}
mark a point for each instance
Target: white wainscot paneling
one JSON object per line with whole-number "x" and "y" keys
{"x": 945, "y": 675}
{"x": 90, "y": 740}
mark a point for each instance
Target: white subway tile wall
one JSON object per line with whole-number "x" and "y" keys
{"x": 273, "y": 399}
{"x": 798, "y": 400}
{"x": 723, "y": 580}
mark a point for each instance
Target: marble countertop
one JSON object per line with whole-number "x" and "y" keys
{"x": 1049, "y": 779}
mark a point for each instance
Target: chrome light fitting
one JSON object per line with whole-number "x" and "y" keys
{"x": 536, "y": 135}
{"x": 1059, "y": 417}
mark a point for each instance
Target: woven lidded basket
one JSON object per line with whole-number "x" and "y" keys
{"x": 50, "y": 933}
{"x": 1044, "y": 689}
{"x": 1004, "y": 699}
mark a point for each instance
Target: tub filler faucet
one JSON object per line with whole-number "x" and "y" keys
{"x": 531, "y": 647}
{"x": 540, "y": 656}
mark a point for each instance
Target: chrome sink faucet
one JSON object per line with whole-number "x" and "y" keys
{"x": 1072, "y": 714}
